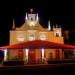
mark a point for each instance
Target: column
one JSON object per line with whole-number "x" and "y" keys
{"x": 5, "y": 54}
{"x": 27, "y": 52}
{"x": 42, "y": 50}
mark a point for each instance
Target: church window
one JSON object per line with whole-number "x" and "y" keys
{"x": 31, "y": 36}
{"x": 42, "y": 36}
{"x": 57, "y": 34}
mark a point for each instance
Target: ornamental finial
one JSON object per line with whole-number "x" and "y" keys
{"x": 31, "y": 10}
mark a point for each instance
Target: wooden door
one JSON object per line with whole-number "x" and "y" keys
{"x": 20, "y": 55}
{"x": 57, "y": 54}
{"x": 32, "y": 56}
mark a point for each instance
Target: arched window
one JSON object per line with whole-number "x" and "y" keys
{"x": 42, "y": 36}
{"x": 31, "y": 36}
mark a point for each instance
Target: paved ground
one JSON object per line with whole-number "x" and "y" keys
{"x": 34, "y": 69}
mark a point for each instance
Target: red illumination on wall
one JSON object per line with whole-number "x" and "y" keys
{"x": 38, "y": 44}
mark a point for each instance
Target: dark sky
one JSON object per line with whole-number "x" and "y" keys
{"x": 61, "y": 13}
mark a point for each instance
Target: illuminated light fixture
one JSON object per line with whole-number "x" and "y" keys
{"x": 5, "y": 54}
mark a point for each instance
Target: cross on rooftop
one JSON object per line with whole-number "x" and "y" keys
{"x": 31, "y": 10}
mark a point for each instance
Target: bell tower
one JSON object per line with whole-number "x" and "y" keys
{"x": 57, "y": 31}
{"x": 31, "y": 18}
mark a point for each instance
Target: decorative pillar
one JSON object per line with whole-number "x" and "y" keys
{"x": 26, "y": 18}
{"x": 43, "y": 54}
{"x": 5, "y": 54}
{"x": 27, "y": 52}
{"x": 49, "y": 26}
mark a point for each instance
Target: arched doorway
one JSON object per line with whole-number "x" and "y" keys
{"x": 20, "y": 54}
{"x": 57, "y": 53}
{"x": 32, "y": 56}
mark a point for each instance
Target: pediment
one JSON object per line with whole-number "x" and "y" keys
{"x": 25, "y": 27}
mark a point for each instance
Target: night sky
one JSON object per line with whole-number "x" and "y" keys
{"x": 61, "y": 13}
